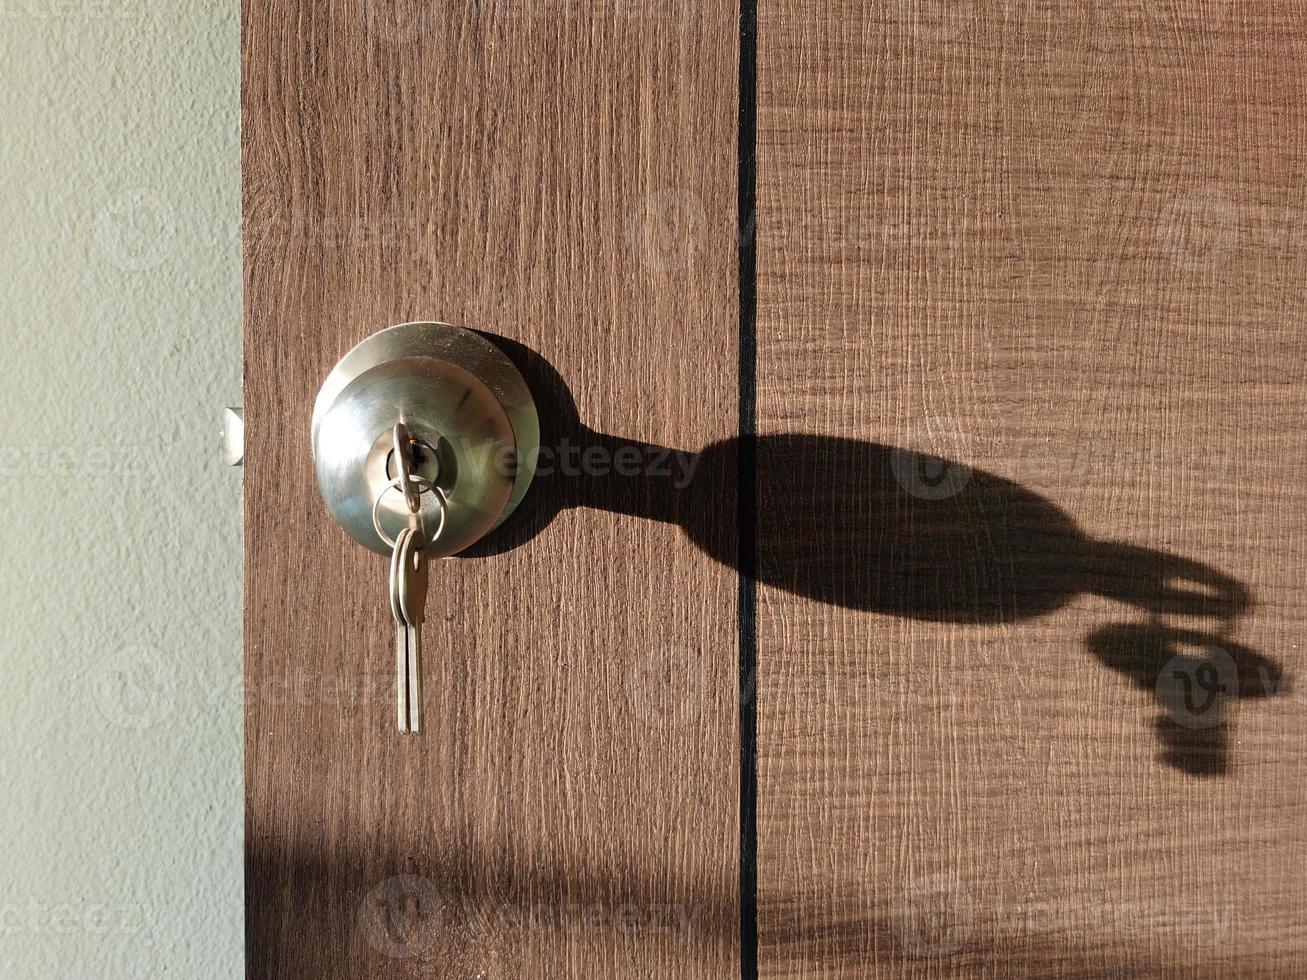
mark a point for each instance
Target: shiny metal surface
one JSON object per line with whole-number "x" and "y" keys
{"x": 233, "y": 436}
{"x": 458, "y": 395}
{"x": 413, "y": 584}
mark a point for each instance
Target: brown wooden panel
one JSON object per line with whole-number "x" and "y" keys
{"x": 1032, "y": 396}
{"x": 562, "y": 175}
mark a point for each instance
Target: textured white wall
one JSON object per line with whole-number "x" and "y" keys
{"x": 120, "y": 639}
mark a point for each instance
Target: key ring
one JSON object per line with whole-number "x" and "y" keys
{"x": 423, "y": 486}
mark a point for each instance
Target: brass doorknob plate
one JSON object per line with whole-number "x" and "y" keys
{"x": 470, "y": 412}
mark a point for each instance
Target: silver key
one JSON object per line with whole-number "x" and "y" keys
{"x": 402, "y": 447}
{"x": 401, "y": 627}
{"x": 408, "y": 586}
{"x": 413, "y": 600}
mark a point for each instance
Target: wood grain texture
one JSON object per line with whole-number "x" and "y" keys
{"x": 1031, "y": 289}
{"x": 561, "y": 175}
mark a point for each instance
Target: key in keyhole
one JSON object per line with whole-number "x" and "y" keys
{"x": 424, "y": 461}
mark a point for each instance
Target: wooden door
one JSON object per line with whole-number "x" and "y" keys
{"x": 564, "y": 179}
{"x": 1030, "y": 283}
{"x": 943, "y": 617}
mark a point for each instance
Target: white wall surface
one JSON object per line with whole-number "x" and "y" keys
{"x": 120, "y": 640}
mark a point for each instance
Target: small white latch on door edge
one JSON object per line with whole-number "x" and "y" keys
{"x": 233, "y": 436}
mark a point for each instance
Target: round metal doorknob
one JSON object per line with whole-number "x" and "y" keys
{"x": 471, "y": 417}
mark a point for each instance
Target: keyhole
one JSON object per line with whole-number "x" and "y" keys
{"x": 427, "y": 463}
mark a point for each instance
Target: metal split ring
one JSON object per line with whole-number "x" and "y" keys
{"x": 423, "y": 486}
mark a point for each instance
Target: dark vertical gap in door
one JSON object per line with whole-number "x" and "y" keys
{"x": 747, "y": 499}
